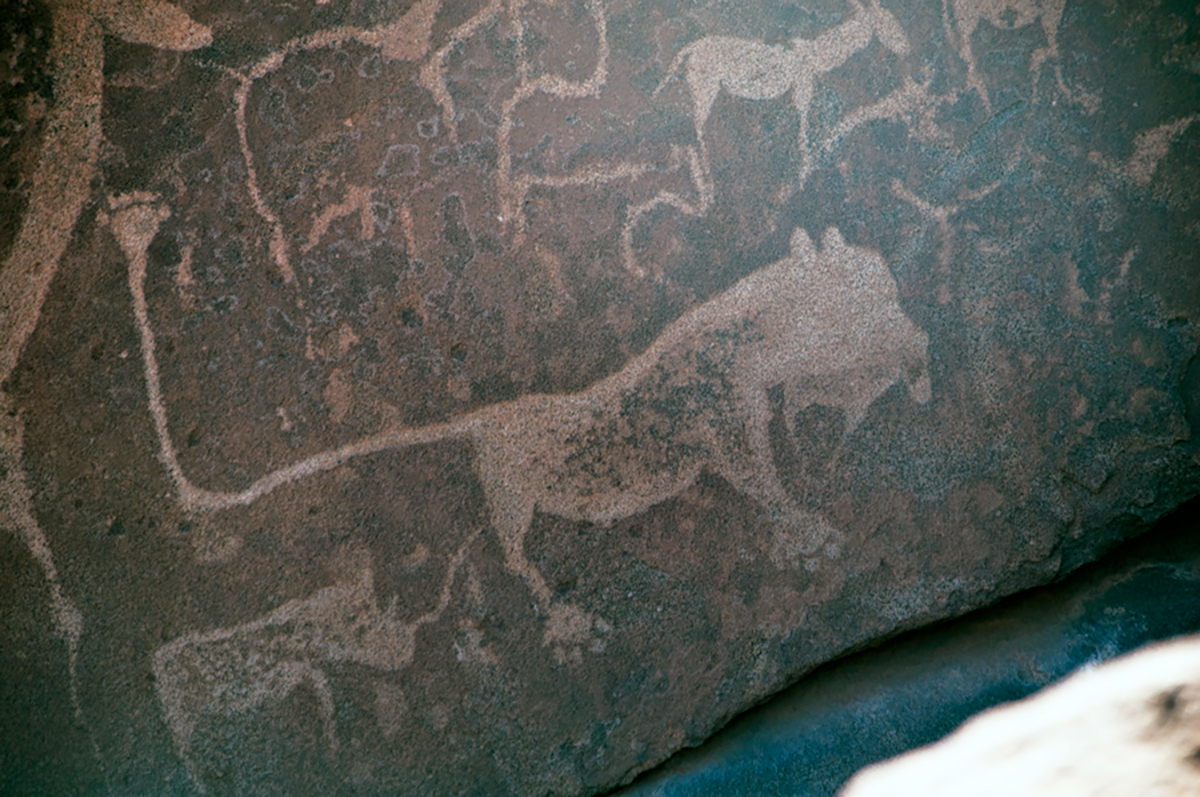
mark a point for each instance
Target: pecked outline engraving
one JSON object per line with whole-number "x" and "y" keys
{"x": 826, "y": 324}
{"x": 231, "y": 671}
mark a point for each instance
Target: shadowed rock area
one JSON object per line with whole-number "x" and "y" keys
{"x": 498, "y": 396}
{"x": 809, "y": 739}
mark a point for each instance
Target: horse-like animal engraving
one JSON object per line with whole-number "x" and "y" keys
{"x": 827, "y": 325}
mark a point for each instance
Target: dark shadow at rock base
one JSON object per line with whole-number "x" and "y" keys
{"x": 811, "y": 738}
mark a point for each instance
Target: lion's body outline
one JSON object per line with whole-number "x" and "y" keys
{"x": 826, "y": 324}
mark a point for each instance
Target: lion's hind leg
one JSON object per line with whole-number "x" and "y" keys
{"x": 568, "y": 628}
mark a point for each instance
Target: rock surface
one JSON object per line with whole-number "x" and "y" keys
{"x": 494, "y": 397}
{"x": 1130, "y": 726}
{"x": 811, "y": 738}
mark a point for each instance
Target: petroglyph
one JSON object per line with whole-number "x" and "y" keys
{"x": 911, "y": 104}
{"x": 702, "y": 183}
{"x": 59, "y": 187}
{"x": 1008, "y": 14}
{"x": 827, "y": 325}
{"x": 358, "y": 200}
{"x": 1150, "y": 147}
{"x": 406, "y": 38}
{"x": 514, "y": 188}
{"x": 235, "y": 671}
{"x": 754, "y": 70}
{"x": 433, "y": 72}
{"x": 940, "y": 215}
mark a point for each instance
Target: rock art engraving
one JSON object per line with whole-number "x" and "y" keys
{"x": 512, "y": 188}
{"x": 826, "y": 324}
{"x": 433, "y": 213}
{"x": 1150, "y": 147}
{"x": 234, "y": 671}
{"x": 967, "y": 14}
{"x": 408, "y": 38}
{"x": 941, "y": 215}
{"x": 59, "y": 187}
{"x": 754, "y": 70}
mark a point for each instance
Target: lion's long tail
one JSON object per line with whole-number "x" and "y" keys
{"x": 197, "y": 499}
{"x": 674, "y": 69}
{"x": 135, "y": 221}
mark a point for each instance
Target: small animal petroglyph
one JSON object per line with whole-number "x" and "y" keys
{"x": 1007, "y": 14}
{"x": 234, "y": 671}
{"x": 826, "y": 325}
{"x": 755, "y": 70}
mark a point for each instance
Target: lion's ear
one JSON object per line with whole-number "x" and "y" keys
{"x": 801, "y": 244}
{"x": 832, "y": 239}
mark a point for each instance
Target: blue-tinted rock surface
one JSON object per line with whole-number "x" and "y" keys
{"x": 912, "y": 691}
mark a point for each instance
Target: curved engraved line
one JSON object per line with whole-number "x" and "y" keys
{"x": 406, "y": 38}
{"x": 59, "y": 186}
{"x": 512, "y": 200}
{"x": 193, "y": 498}
{"x": 134, "y": 242}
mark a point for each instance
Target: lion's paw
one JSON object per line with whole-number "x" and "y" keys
{"x": 570, "y": 629}
{"x": 804, "y": 539}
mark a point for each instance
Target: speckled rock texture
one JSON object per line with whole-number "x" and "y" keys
{"x": 809, "y": 739}
{"x": 496, "y": 396}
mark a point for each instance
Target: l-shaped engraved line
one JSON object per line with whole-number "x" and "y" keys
{"x": 198, "y": 499}
{"x": 195, "y": 498}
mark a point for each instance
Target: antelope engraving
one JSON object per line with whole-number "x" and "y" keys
{"x": 826, "y": 324}
{"x": 756, "y": 71}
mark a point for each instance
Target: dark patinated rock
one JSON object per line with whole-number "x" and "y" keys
{"x": 811, "y": 738}
{"x": 495, "y": 397}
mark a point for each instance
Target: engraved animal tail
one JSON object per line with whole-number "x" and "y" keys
{"x": 134, "y": 221}
{"x": 197, "y": 499}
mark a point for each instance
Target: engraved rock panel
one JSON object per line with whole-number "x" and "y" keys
{"x": 496, "y": 397}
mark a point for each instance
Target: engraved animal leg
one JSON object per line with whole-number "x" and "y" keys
{"x": 802, "y": 93}
{"x": 966, "y": 20}
{"x": 568, "y": 627}
{"x": 797, "y": 532}
{"x": 704, "y": 83}
{"x": 512, "y": 513}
